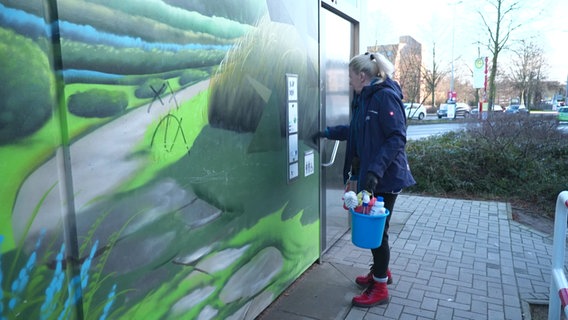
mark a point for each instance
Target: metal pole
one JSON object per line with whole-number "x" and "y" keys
{"x": 558, "y": 285}
{"x": 453, "y": 36}
{"x": 453, "y": 40}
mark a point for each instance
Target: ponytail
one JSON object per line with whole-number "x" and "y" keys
{"x": 373, "y": 65}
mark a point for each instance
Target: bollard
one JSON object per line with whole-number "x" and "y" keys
{"x": 558, "y": 297}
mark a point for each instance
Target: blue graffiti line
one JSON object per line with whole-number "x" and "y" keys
{"x": 87, "y": 265}
{"x": 33, "y": 26}
{"x": 108, "y": 305}
{"x": 55, "y": 291}
{"x": 20, "y": 283}
{"x": 54, "y": 287}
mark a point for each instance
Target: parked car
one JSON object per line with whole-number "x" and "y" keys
{"x": 516, "y": 108}
{"x": 563, "y": 114}
{"x": 498, "y": 108}
{"x": 414, "y": 110}
{"x": 462, "y": 110}
{"x": 474, "y": 112}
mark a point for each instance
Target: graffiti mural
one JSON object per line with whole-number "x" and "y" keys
{"x": 144, "y": 160}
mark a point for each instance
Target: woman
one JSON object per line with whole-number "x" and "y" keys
{"x": 376, "y": 140}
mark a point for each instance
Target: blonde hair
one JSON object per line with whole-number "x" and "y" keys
{"x": 372, "y": 64}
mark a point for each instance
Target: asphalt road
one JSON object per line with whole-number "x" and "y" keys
{"x": 427, "y": 127}
{"x": 415, "y": 132}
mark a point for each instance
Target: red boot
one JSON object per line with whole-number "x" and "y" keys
{"x": 366, "y": 279}
{"x": 377, "y": 293}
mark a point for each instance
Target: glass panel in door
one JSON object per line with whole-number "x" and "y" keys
{"x": 336, "y": 49}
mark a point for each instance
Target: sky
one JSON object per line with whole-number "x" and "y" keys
{"x": 459, "y": 22}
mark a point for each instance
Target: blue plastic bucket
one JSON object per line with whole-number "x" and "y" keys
{"x": 367, "y": 231}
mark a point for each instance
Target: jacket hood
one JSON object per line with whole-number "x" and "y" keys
{"x": 388, "y": 83}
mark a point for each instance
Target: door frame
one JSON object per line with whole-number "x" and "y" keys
{"x": 354, "y": 37}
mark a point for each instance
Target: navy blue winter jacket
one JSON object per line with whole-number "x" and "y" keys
{"x": 377, "y": 135}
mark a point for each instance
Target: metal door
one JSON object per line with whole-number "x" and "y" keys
{"x": 336, "y": 50}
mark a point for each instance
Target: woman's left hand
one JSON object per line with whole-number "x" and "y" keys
{"x": 371, "y": 182}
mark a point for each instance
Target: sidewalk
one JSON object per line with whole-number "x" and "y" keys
{"x": 450, "y": 259}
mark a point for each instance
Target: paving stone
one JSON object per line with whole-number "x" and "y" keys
{"x": 451, "y": 259}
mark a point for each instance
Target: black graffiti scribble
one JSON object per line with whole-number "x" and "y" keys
{"x": 167, "y": 122}
{"x": 157, "y": 96}
{"x": 161, "y": 92}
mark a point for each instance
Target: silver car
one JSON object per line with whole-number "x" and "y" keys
{"x": 461, "y": 110}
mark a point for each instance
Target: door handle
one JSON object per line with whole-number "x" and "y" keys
{"x": 333, "y": 154}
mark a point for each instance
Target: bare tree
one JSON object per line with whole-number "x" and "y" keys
{"x": 527, "y": 72}
{"x": 499, "y": 33}
{"x": 410, "y": 64}
{"x": 433, "y": 77}
{"x": 406, "y": 56}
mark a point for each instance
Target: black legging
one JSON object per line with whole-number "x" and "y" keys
{"x": 381, "y": 255}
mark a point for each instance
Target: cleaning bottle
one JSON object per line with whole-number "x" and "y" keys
{"x": 366, "y": 200}
{"x": 378, "y": 207}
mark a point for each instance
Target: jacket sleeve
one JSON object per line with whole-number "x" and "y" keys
{"x": 391, "y": 127}
{"x": 337, "y": 132}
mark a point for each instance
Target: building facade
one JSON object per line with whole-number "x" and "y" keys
{"x": 406, "y": 55}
